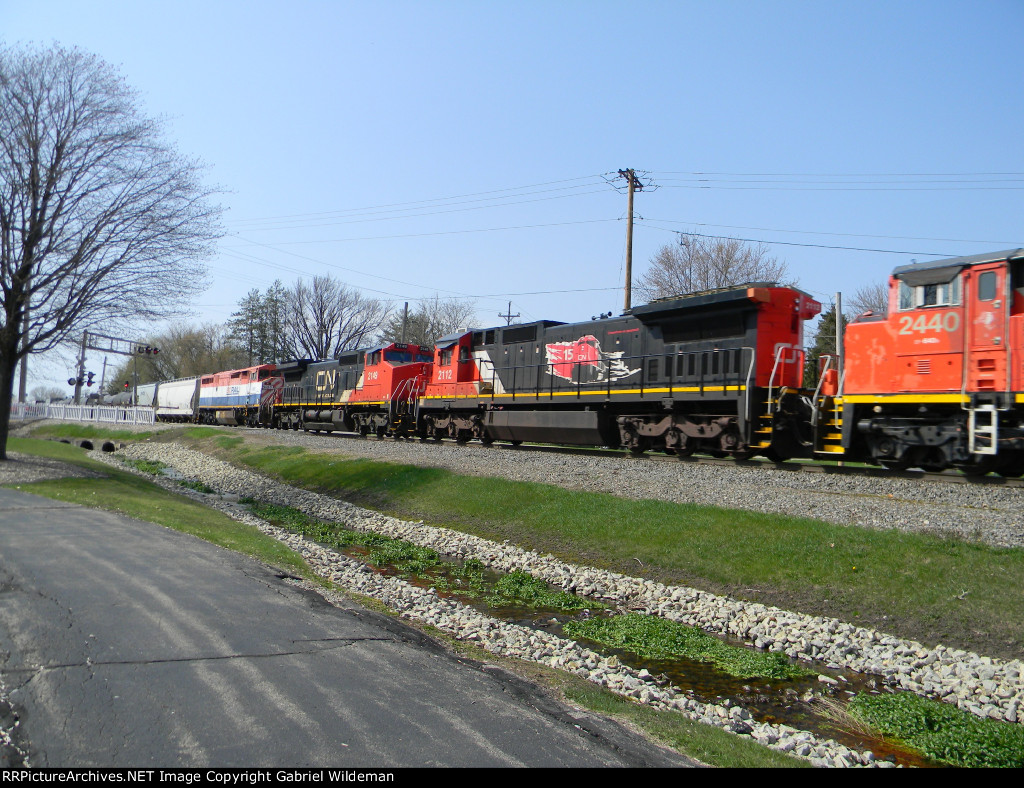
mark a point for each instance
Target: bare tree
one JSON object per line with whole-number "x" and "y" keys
{"x": 698, "y": 262}
{"x": 185, "y": 351}
{"x": 325, "y": 317}
{"x": 871, "y": 298}
{"x": 102, "y": 223}
{"x": 432, "y": 319}
{"x": 47, "y": 394}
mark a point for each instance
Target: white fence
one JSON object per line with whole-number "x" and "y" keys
{"x": 103, "y": 413}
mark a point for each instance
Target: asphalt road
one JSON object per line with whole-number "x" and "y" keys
{"x": 127, "y": 644}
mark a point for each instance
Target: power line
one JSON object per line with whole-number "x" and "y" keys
{"x": 424, "y": 202}
{"x": 845, "y": 235}
{"x": 838, "y": 187}
{"x": 341, "y": 221}
{"x": 846, "y": 174}
{"x": 423, "y": 235}
{"x": 794, "y": 243}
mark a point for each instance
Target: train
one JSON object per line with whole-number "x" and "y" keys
{"x": 936, "y": 382}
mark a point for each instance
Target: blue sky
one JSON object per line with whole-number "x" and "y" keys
{"x": 459, "y": 147}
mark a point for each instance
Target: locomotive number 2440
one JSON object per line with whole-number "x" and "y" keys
{"x": 946, "y": 321}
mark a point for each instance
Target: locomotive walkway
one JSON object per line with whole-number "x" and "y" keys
{"x": 133, "y": 645}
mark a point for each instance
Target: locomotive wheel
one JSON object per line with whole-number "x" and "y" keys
{"x": 979, "y": 468}
{"x": 640, "y": 446}
{"x": 685, "y": 447}
{"x": 896, "y": 465}
{"x": 486, "y": 439}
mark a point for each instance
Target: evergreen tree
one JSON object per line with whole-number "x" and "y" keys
{"x": 824, "y": 344}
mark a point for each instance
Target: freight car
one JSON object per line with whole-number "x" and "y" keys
{"x": 939, "y": 381}
{"x": 718, "y": 371}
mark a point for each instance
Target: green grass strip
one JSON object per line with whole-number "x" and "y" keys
{"x": 89, "y": 431}
{"x": 942, "y": 731}
{"x": 134, "y": 496}
{"x": 651, "y": 637}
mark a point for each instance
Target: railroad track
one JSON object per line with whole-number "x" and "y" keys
{"x": 792, "y": 466}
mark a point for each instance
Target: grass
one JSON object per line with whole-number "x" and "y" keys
{"x": 134, "y": 496}
{"x": 907, "y": 583}
{"x": 942, "y": 731}
{"x": 657, "y": 638}
{"x": 88, "y": 431}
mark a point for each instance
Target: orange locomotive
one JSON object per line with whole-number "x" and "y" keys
{"x": 939, "y": 381}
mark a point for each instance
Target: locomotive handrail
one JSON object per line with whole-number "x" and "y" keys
{"x": 747, "y": 404}
{"x": 778, "y": 359}
{"x": 817, "y": 390}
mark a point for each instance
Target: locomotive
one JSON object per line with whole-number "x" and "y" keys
{"x": 717, "y": 371}
{"x": 937, "y": 382}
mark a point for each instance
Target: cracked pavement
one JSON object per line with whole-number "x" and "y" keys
{"x": 127, "y": 644}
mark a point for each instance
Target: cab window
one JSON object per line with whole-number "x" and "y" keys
{"x": 987, "y": 286}
{"x": 944, "y": 294}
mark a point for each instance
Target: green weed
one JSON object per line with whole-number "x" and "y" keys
{"x": 656, "y": 638}
{"x": 942, "y": 731}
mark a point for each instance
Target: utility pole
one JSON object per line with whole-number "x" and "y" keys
{"x": 633, "y": 184}
{"x": 509, "y": 317}
{"x": 405, "y": 320}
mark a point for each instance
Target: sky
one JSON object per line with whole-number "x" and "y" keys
{"x": 471, "y": 149}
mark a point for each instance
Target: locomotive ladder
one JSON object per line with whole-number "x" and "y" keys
{"x": 982, "y": 437}
{"x": 827, "y": 416}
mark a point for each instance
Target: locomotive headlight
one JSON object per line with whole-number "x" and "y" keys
{"x": 877, "y": 409}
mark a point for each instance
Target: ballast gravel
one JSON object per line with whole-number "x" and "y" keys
{"x": 984, "y": 686}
